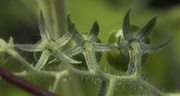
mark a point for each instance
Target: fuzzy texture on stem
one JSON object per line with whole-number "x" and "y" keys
{"x": 51, "y": 46}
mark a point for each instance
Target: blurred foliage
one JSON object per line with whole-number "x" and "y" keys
{"x": 19, "y": 19}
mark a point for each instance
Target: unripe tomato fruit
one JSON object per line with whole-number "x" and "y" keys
{"x": 38, "y": 54}
{"x": 80, "y": 57}
{"x": 120, "y": 59}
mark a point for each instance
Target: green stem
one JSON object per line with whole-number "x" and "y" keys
{"x": 150, "y": 88}
{"x": 90, "y": 57}
{"x": 137, "y": 52}
{"x": 59, "y": 76}
{"x": 69, "y": 69}
{"x": 18, "y": 57}
{"x": 111, "y": 87}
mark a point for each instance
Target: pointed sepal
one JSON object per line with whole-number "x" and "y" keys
{"x": 11, "y": 43}
{"x": 144, "y": 32}
{"x": 69, "y": 23}
{"x": 3, "y": 43}
{"x": 67, "y": 37}
{"x": 127, "y": 31}
{"x": 72, "y": 60}
{"x": 78, "y": 38}
{"x": 43, "y": 60}
{"x": 105, "y": 47}
{"x": 74, "y": 51}
{"x": 30, "y": 47}
{"x": 43, "y": 31}
{"x": 151, "y": 48}
{"x": 94, "y": 32}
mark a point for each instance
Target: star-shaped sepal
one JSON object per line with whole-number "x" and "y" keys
{"x": 46, "y": 40}
{"x": 139, "y": 37}
{"x": 87, "y": 44}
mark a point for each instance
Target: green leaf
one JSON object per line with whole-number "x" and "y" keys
{"x": 144, "y": 33}
{"x": 94, "y": 32}
{"x": 127, "y": 31}
{"x": 43, "y": 31}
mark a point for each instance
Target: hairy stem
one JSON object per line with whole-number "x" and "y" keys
{"x": 137, "y": 53}
{"x": 111, "y": 87}
{"x": 59, "y": 76}
{"x": 150, "y": 88}
{"x": 18, "y": 57}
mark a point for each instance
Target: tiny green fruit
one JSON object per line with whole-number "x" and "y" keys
{"x": 37, "y": 55}
{"x": 120, "y": 59}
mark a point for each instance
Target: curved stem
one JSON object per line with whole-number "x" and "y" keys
{"x": 137, "y": 54}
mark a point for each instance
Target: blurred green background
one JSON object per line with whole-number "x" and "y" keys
{"x": 19, "y": 19}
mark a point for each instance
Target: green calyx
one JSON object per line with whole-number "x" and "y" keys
{"x": 80, "y": 57}
{"x": 120, "y": 59}
{"x": 123, "y": 38}
{"x": 141, "y": 37}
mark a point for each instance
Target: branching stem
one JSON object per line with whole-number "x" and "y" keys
{"x": 18, "y": 57}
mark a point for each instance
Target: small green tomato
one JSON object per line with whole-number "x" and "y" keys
{"x": 120, "y": 59}
{"x": 38, "y": 54}
{"x": 80, "y": 57}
